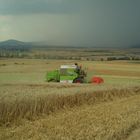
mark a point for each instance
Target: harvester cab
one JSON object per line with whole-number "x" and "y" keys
{"x": 67, "y": 74}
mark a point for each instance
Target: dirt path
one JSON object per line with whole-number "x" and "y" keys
{"x": 135, "y": 135}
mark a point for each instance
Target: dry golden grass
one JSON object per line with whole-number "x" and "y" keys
{"x": 113, "y": 120}
{"x": 135, "y": 135}
{"x": 28, "y": 106}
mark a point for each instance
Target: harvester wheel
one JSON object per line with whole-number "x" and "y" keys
{"x": 78, "y": 80}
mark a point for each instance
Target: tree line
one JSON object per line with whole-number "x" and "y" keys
{"x": 28, "y": 54}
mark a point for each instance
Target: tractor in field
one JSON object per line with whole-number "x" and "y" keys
{"x": 67, "y": 74}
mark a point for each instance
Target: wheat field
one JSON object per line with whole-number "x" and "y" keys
{"x": 31, "y": 109}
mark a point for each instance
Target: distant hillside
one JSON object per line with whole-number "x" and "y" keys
{"x": 14, "y": 45}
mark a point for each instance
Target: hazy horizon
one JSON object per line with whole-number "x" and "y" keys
{"x": 112, "y": 23}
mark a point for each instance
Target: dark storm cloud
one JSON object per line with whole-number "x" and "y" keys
{"x": 13, "y": 7}
{"x": 72, "y": 22}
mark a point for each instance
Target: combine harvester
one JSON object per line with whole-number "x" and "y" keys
{"x": 71, "y": 74}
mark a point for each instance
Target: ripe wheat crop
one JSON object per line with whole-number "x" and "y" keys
{"x": 29, "y": 106}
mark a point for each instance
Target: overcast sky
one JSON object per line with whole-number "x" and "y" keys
{"x": 71, "y": 22}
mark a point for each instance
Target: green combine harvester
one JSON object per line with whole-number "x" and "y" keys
{"x": 67, "y": 74}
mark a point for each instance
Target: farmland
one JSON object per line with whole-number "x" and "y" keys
{"x": 30, "y": 108}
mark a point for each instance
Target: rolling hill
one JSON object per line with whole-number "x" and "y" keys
{"x": 14, "y": 45}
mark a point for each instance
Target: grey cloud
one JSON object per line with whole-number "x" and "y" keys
{"x": 92, "y": 22}
{"x": 14, "y": 7}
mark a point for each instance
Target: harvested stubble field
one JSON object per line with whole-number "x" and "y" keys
{"x": 35, "y": 110}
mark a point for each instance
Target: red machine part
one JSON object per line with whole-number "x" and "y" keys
{"x": 97, "y": 80}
